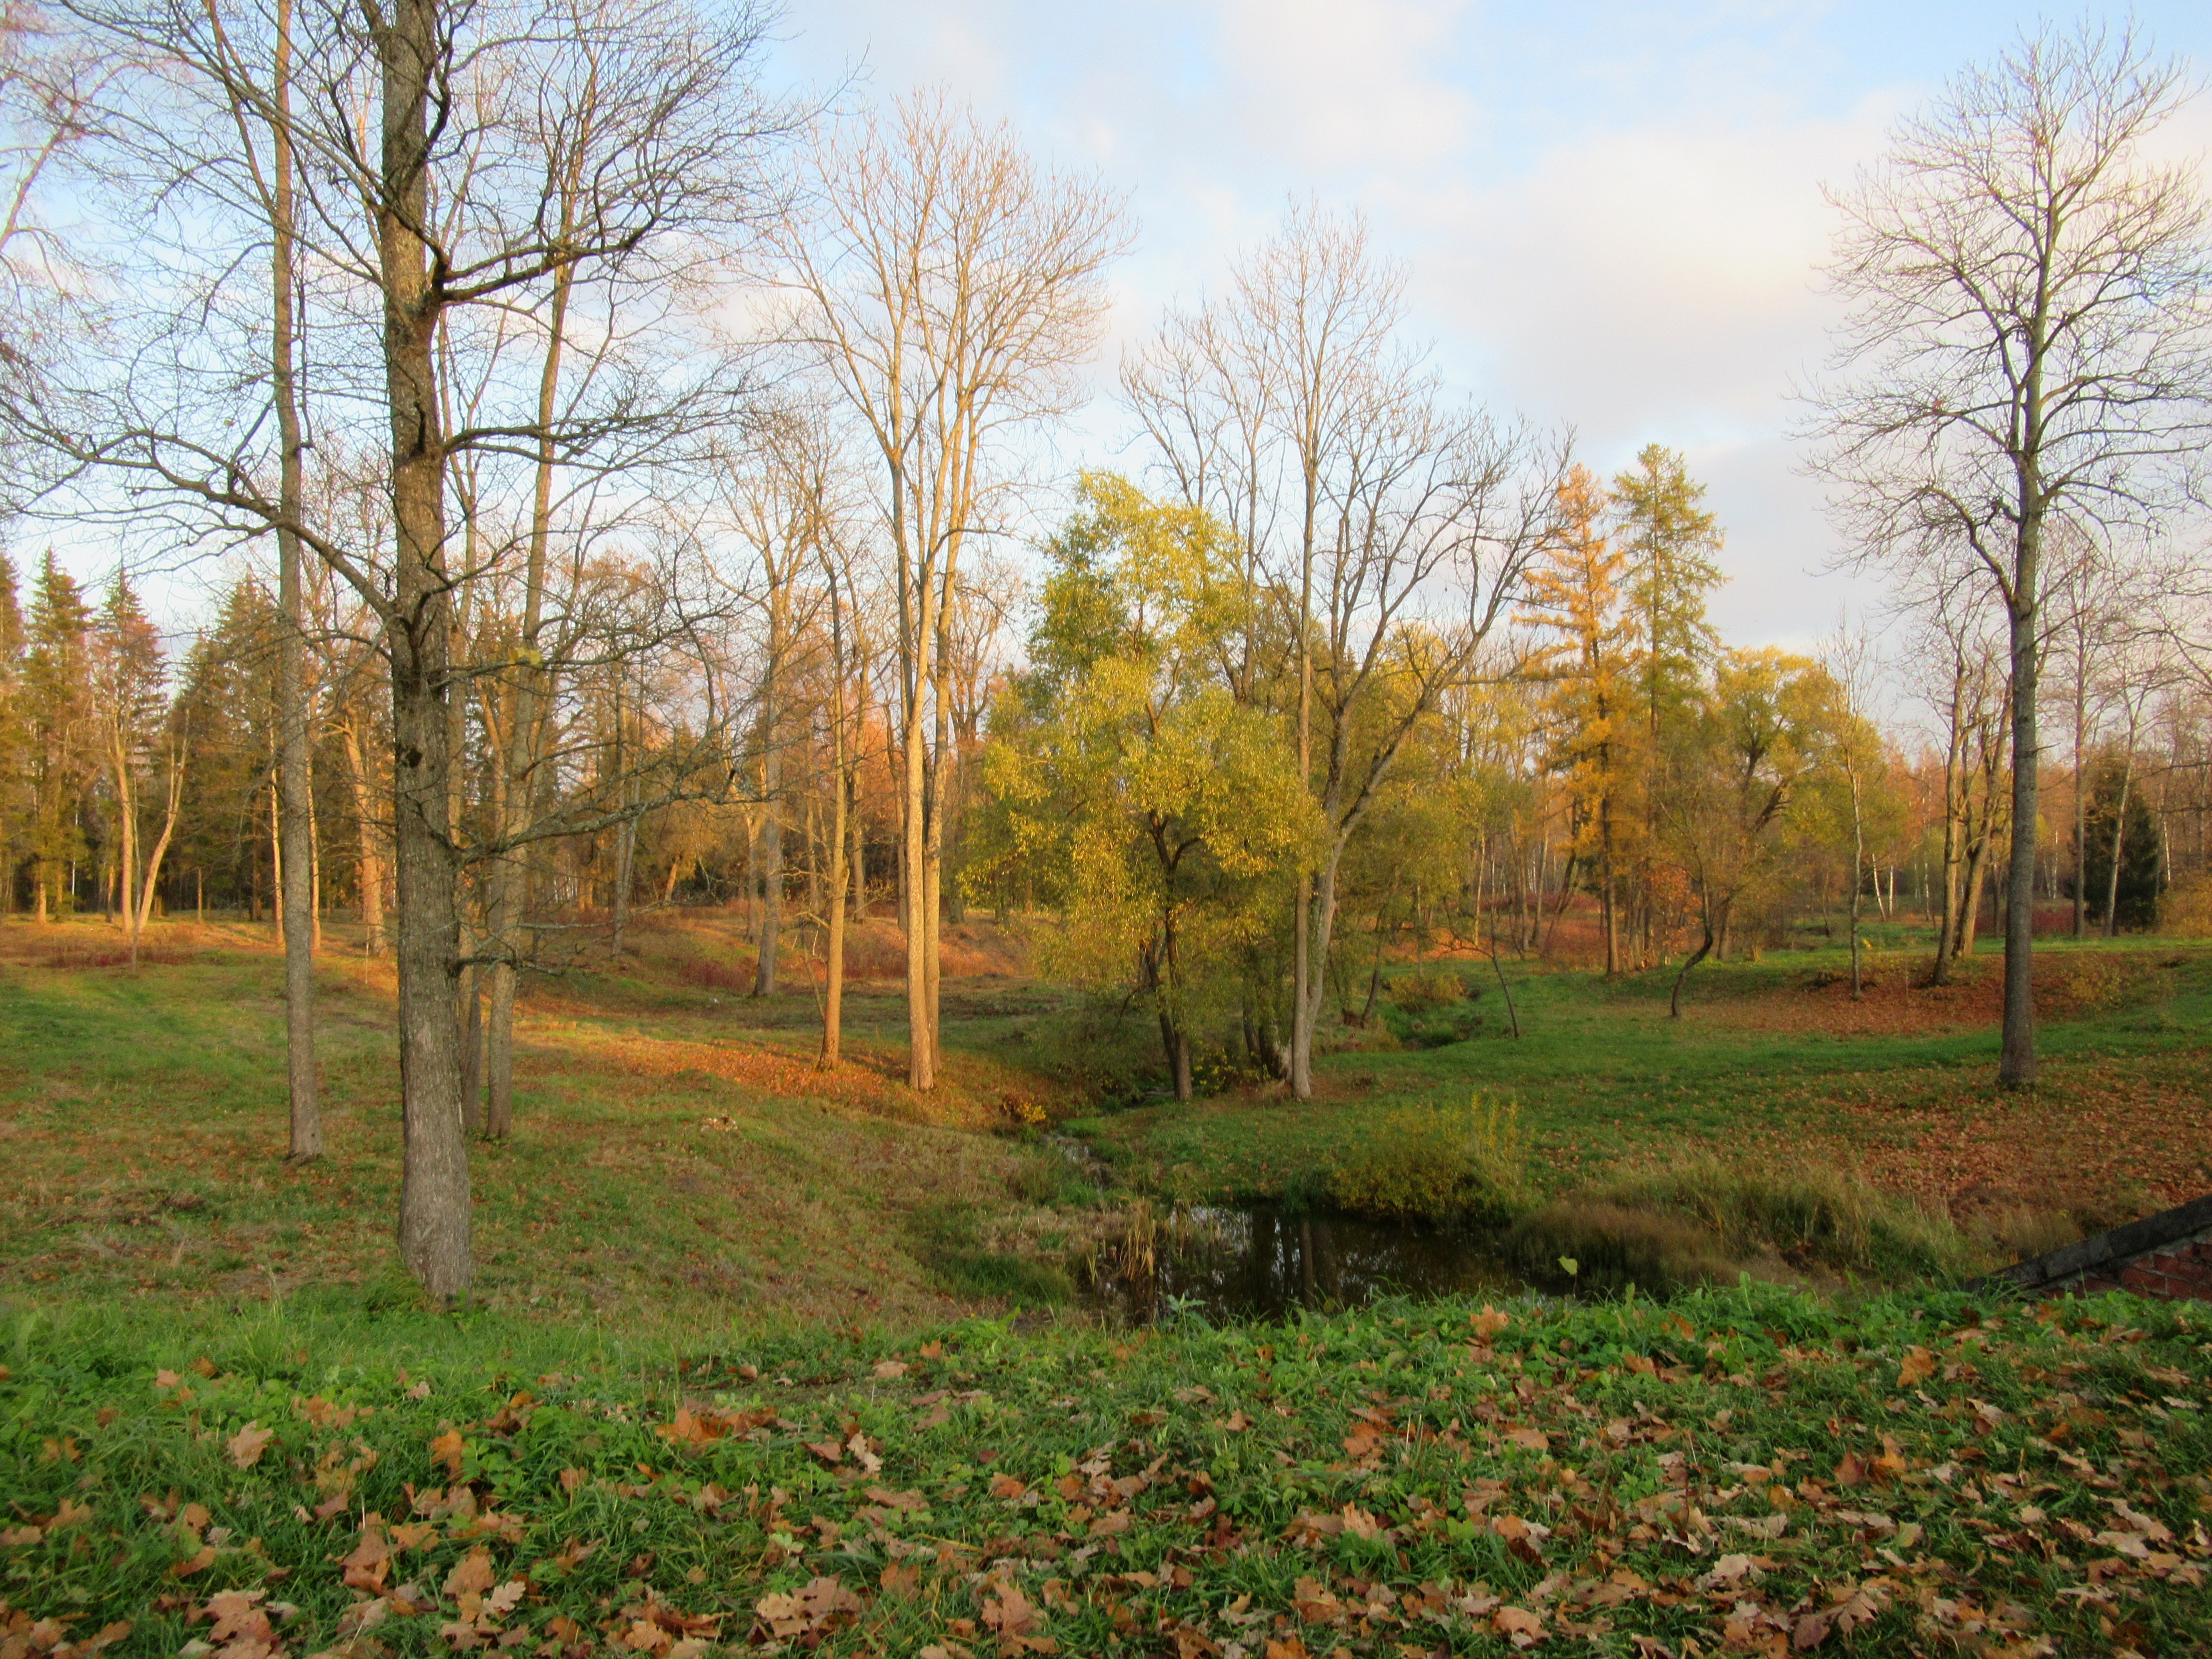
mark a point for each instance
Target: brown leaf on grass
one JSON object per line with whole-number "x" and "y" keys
{"x": 202, "y": 1558}
{"x": 471, "y": 1575}
{"x": 237, "y": 1613}
{"x": 1853, "y": 1607}
{"x": 1016, "y": 1619}
{"x": 900, "y": 1579}
{"x": 1518, "y": 1625}
{"x": 1316, "y": 1603}
{"x": 1360, "y": 1523}
{"x": 246, "y": 1446}
{"x": 1531, "y": 1439}
{"x": 1236, "y": 1423}
{"x": 369, "y": 1561}
{"x": 1489, "y": 1322}
{"x": 692, "y": 1429}
{"x": 1007, "y": 1486}
{"x": 1918, "y": 1366}
{"x": 890, "y": 1370}
{"x": 828, "y": 1450}
{"x": 1850, "y": 1472}
{"x": 1290, "y": 1647}
{"x": 822, "y": 1606}
{"x": 1521, "y": 1537}
{"x": 446, "y": 1448}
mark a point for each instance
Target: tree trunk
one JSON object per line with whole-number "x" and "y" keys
{"x": 921, "y": 1066}
{"x": 1858, "y": 875}
{"x": 833, "y": 994}
{"x": 771, "y": 843}
{"x": 1705, "y": 948}
{"x": 176, "y": 798}
{"x": 295, "y": 780}
{"x": 126, "y": 812}
{"x": 2080, "y": 798}
{"x": 371, "y": 858}
{"x": 2119, "y": 840}
{"x": 473, "y": 1047}
{"x": 434, "y": 1222}
{"x": 2016, "y": 1066}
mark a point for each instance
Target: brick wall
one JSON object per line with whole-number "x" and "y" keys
{"x": 2180, "y": 1272}
{"x": 2168, "y": 1255}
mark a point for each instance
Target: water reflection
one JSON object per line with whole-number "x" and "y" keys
{"x": 1260, "y": 1263}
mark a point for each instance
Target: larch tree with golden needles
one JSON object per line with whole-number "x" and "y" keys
{"x": 1574, "y": 592}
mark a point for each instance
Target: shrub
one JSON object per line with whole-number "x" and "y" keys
{"x": 1431, "y": 988}
{"x": 1613, "y": 1247}
{"x": 1705, "y": 1219}
{"x": 2184, "y": 909}
{"x": 1438, "y": 1163}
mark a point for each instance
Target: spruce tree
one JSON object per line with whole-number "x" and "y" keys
{"x": 58, "y": 705}
{"x": 15, "y": 741}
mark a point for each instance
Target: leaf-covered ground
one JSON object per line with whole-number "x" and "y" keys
{"x": 1749, "y": 1471}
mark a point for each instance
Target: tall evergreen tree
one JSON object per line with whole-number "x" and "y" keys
{"x": 15, "y": 740}
{"x": 58, "y": 697}
{"x": 1670, "y": 544}
{"x": 126, "y": 675}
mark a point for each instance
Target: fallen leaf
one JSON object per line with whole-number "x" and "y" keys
{"x": 446, "y": 1448}
{"x": 1518, "y": 1625}
{"x": 473, "y": 1573}
{"x": 1919, "y": 1365}
{"x": 247, "y": 1445}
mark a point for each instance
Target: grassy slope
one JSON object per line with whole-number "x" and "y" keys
{"x": 669, "y": 1163}
{"x": 1763, "y": 1063}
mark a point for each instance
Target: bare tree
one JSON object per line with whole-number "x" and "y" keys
{"x": 420, "y": 207}
{"x": 2030, "y": 333}
{"x": 948, "y": 288}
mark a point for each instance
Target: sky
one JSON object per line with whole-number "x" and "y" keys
{"x": 1610, "y": 215}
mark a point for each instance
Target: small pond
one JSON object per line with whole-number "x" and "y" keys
{"x": 1260, "y": 1262}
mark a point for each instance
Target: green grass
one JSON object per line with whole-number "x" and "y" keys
{"x": 1762, "y": 1062}
{"x": 676, "y": 1156}
{"x": 1748, "y": 1470}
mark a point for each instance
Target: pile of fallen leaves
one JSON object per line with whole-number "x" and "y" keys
{"x": 1751, "y": 1471}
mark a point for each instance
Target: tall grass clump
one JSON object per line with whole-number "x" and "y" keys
{"x": 1434, "y": 1163}
{"x": 1705, "y": 1220}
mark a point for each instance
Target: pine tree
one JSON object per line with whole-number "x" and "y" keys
{"x": 58, "y": 705}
